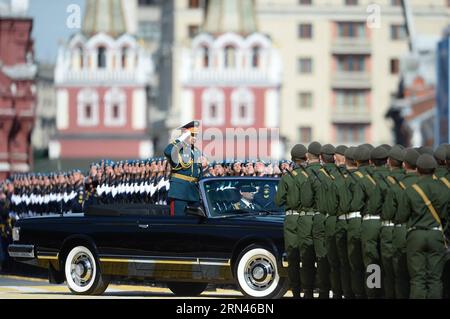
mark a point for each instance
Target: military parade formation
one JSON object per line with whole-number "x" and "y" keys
{"x": 350, "y": 211}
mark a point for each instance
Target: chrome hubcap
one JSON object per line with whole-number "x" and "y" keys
{"x": 81, "y": 269}
{"x": 259, "y": 272}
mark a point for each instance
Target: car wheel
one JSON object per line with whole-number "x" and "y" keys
{"x": 83, "y": 273}
{"x": 187, "y": 288}
{"x": 256, "y": 273}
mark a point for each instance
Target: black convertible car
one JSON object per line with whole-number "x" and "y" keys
{"x": 235, "y": 237}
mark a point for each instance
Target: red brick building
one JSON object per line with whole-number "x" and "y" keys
{"x": 17, "y": 93}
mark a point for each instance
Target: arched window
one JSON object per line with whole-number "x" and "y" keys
{"x": 213, "y": 107}
{"x": 242, "y": 107}
{"x": 80, "y": 57}
{"x": 256, "y": 52}
{"x": 205, "y": 56}
{"x": 101, "y": 57}
{"x": 115, "y": 107}
{"x": 230, "y": 57}
{"x": 124, "y": 57}
{"x": 87, "y": 108}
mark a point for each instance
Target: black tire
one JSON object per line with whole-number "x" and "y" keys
{"x": 187, "y": 289}
{"x": 83, "y": 272}
{"x": 256, "y": 274}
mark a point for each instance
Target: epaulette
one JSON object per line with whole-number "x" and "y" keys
{"x": 402, "y": 185}
{"x": 306, "y": 174}
{"x": 294, "y": 173}
{"x": 359, "y": 174}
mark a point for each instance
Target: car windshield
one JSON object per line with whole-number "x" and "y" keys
{"x": 233, "y": 197}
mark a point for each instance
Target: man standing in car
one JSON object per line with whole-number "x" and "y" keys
{"x": 184, "y": 159}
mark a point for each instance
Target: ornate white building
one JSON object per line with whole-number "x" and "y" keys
{"x": 101, "y": 77}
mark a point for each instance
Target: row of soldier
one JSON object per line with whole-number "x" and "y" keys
{"x": 353, "y": 211}
{"x": 108, "y": 182}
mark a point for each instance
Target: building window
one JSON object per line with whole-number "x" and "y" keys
{"x": 395, "y": 66}
{"x": 305, "y": 99}
{"x": 350, "y": 134}
{"x": 87, "y": 108}
{"x": 101, "y": 57}
{"x": 396, "y": 3}
{"x": 81, "y": 57}
{"x": 124, "y": 58}
{"x": 256, "y": 52}
{"x": 242, "y": 107}
{"x": 305, "y": 2}
{"x": 351, "y": 30}
{"x": 350, "y": 101}
{"x": 398, "y": 32}
{"x": 230, "y": 57}
{"x": 213, "y": 107}
{"x": 205, "y": 56}
{"x": 148, "y": 2}
{"x": 305, "y": 31}
{"x": 193, "y": 4}
{"x": 193, "y": 30}
{"x": 115, "y": 107}
{"x": 305, "y": 134}
{"x": 305, "y": 65}
{"x": 351, "y": 63}
{"x": 351, "y": 2}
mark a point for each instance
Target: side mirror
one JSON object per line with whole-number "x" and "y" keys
{"x": 195, "y": 211}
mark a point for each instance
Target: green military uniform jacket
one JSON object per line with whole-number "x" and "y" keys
{"x": 414, "y": 211}
{"x": 187, "y": 166}
{"x": 294, "y": 197}
{"x": 383, "y": 183}
{"x": 390, "y": 201}
{"x": 364, "y": 189}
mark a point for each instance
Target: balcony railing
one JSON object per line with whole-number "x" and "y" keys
{"x": 351, "y": 46}
{"x": 86, "y": 76}
{"x": 349, "y": 116}
{"x": 231, "y": 76}
{"x": 351, "y": 80}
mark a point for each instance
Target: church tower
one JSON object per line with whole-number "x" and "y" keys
{"x": 231, "y": 76}
{"x": 101, "y": 76}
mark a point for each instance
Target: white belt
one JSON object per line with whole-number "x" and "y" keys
{"x": 387, "y": 223}
{"x": 433, "y": 228}
{"x": 302, "y": 214}
{"x": 400, "y": 225}
{"x": 353, "y": 215}
{"x": 371, "y": 217}
{"x": 292, "y": 212}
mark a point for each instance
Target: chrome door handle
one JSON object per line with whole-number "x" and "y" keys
{"x": 144, "y": 226}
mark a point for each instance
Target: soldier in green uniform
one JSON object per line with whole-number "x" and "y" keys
{"x": 184, "y": 158}
{"x": 423, "y": 207}
{"x": 287, "y": 195}
{"x": 375, "y": 187}
{"x": 395, "y": 161}
{"x": 440, "y": 154}
{"x": 313, "y": 197}
{"x": 332, "y": 200}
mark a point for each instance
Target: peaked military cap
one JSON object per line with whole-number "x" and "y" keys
{"x": 411, "y": 156}
{"x": 369, "y": 146}
{"x": 425, "y": 150}
{"x": 341, "y": 149}
{"x": 397, "y": 153}
{"x": 298, "y": 152}
{"x": 350, "y": 153}
{"x": 362, "y": 153}
{"x": 440, "y": 154}
{"x": 315, "y": 148}
{"x": 379, "y": 153}
{"x": 248, "y": 189}
{"x": 328, "y": 149}
{"x": 387, "y": 147}
{"x": 426, "y": 161}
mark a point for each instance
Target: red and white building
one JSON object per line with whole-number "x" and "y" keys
{"x": 17, "y": 89}
{"x": 101, "y": 78}
{"x": 231, "y": 78}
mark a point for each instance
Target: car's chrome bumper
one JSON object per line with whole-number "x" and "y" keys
{"x": 21, "y": 251}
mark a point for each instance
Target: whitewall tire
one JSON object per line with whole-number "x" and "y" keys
{"x": 257, "y": 274}
{"x": 82, "y": 272}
